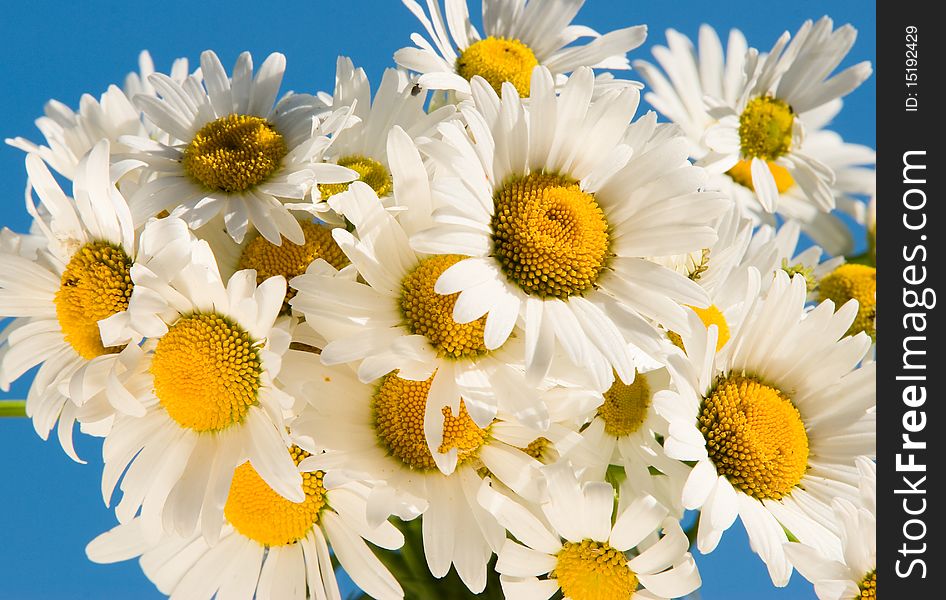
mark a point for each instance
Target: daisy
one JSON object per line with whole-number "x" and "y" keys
{"x": 832, "y": 279}
{"x": 557, "y": 208}
{"x": 772, "y": 250}
{"x": 854, "y": 574}
{"x": 728, "y": 270}
{"x": 623, "y": 431}
{"x": 204, "y": 383}
{"x": 765, "y": 127}
{"x": 518, "y": 37}
{"x": 286, "y": 259}
{"x": 62, "y": 292}
{"x": 379, "y": 434}
{"x": 773, "y": 422}
{"x": 581, "y": 553}
{"x": 852, "y": 165}
{"x": 370, "y": 145}
{"x": 679, "y": 86}
{"x": 231, "y": 151}
{"x": 71, "y": 134}
{"x": 395, "y": 321}
{"x": 268, "y": 546}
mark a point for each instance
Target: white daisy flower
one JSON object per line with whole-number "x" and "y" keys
{"x": 623, "y": 432}
{"x": 63, "y": 294}
{"x": 773, "y": 421}
{"x": 772, "y": 250}
{"x": 559, "y": 207}
{"x": 269, "y": 547}
{"x": 766, "y": 126}
{"x": 852, "y": 165}
{"x": 395, "y": 321}
{"x": 370, "y": 146}
{"x": 581, "y": 553}
{"x": 70, "y": 134}
{"x": 728, "y": 271}
{"x": 380, "y": 433}
{"x": 831, "y": 279}
{"x": 204, "y": 385}
{"x": 287, "y": 259}
{"x": 853, "y": 574}
{"x": 679, "y": 86}
{"x": 231, "y": 150}
{"x": 519, "y": 35}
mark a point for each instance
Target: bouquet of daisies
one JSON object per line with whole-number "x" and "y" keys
{"x": 483, "y": 330}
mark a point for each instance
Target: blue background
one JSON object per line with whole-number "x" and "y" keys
{"x": 50, "y": 507}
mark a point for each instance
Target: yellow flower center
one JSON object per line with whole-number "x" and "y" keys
{"x": 541, "y": 449}
{"x": 710, "y": 316}
{"x": 497, "y": 60}
{"x": 765, "y": 128}
{"x": 804, "y": 270}
{"x": 95, "y": 285}
{"x": 258, "y": 512}
{"x": 369, "y": 171}
{"x": 590, "y": 570}
{"x": 206, "y": 372}
{"x": 625, "y": 406}
{"x": 755, "y": 437}
{"x": 742, "y": 174}
{"x": 549, "y": 236}
{"x": 399, "y": 406}
{"x": 234, "y": 153}
{"x": 868, "y": 587}
{"x": 290, "y": 260}
{"x": 860, "y": 283}
{"x": 430, "y": 314}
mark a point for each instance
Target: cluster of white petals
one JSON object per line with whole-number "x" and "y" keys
{"x": 491, "y": 310}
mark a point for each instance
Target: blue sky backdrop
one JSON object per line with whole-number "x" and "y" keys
{"x": 51, "y": 507}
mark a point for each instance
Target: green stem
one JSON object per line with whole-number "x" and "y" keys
{"x": 12, "y": 408}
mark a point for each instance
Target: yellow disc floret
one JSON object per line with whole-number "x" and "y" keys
{"x": 206, "y": 372}
{"x": 541, "y": 449}
{"x": 755, "y": 437}
{"x": 258, "y": 512}
{"x": 858, "y": 282}
{"x": 399, "y": 406}
{"x": 765, "y": 128}
{"x": 234, "y": 153}
{"x": 742, "y": 174}
{"x": 369, "y": 171}
{"x": 867, "y": 587}
{"x": 590, "y": 570}
{"x": 430, "y": 314}
{"x": 498, "y": 60}
{"x": 290, "y": 260}
{"x": 625, "y": 406}
{"x": 95, "y": 285}
{"x": 549, "y": 236}
{"x": 710, "y": 315}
